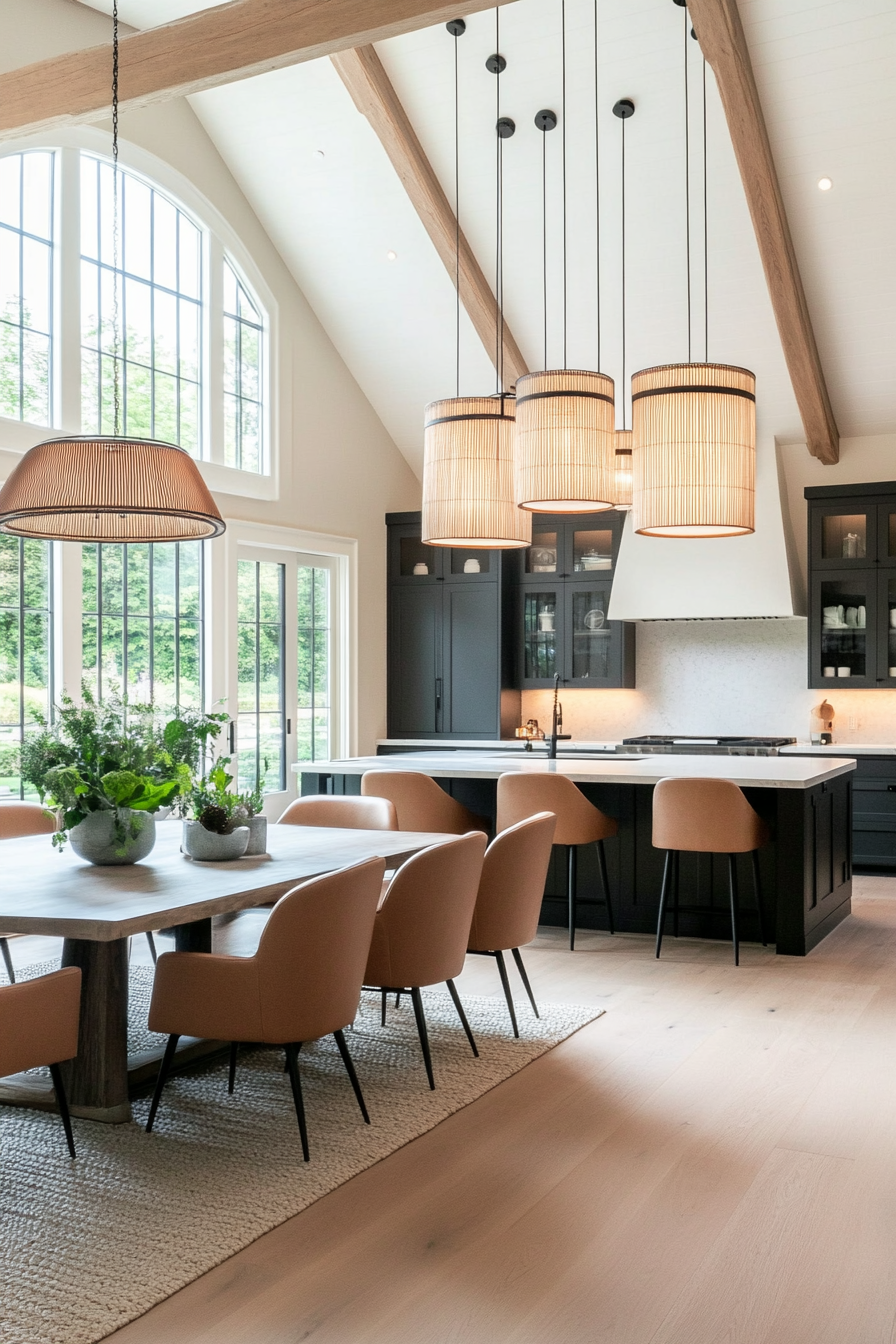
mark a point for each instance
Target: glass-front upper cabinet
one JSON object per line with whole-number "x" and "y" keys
{"x": 573, "y": 547}
{"x": 843, "y": 639}
{"x": 592, "y": 635}
{"x": 542, "y": 622}
{"x": 411, "y": 561}
{"x": 886, "y": 642}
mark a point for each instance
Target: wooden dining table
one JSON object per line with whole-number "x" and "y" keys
{"x": 97, "y": 909}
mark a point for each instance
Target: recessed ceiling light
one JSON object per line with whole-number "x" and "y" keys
{"x": 824, "y": 184}
{"x": 319, "y": 154}
{"x": 391, "y": 256}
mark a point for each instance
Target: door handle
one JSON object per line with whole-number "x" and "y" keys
{"x": 438, "y": 695}
{"x": 232, "y": 737}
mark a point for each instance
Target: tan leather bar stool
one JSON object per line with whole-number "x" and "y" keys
{"x": 578, "y": 823}
{"x": 706, "y": 816}
{"x": 420, "y": 803}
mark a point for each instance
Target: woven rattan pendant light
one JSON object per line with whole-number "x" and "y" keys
{"x": 565, "y": 436}
{"x": 114, "y": 488}
{"x": 694, "y": 424}
{"x": 468, "y": 441}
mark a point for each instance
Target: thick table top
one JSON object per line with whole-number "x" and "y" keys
{"x": 43, "y": 891}
{"x": 756, "y": 772}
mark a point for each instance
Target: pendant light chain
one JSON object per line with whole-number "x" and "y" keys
{"x": 116, "y": 380}
{"x": 563, "y": 114}
{"x": 687, "y": 175}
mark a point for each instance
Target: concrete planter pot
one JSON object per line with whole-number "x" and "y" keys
{"x": 94, "y": 838}
{"x": 211, "y": 847}
{"x": 258, "y": 835}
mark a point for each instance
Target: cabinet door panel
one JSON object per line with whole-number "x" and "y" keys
{"x": 843, "y": 536}
{"x": 415, "y": 656}
{"x": 471, "y": 659}
{"x": 843, "y": 627}
{"x": 541, "y": 626}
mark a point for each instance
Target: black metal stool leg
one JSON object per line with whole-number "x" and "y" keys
{"x": 452, "y": 990}
{"x": 62, "y": 1103}
{"x": 164, "y": 1070}
{"x": 757, "y": 888}
{"x": 231, "y": 1080}
{"x": 517, "y": 956}
{"x": 664, "y": 891}
{"x": 502, "y": 971}
{"x": 292, "y": 1064}
{"x": 352, "y": 1076}
{"x": 7, "y": 960}
{"x": 605, "y": 884}
{"x": 571, "y": 856}
{"x": 675, "y": 871}
{"x": 732, "y": 882}
{"x": 383, "y": 1011}
{"x": 420, "y": 1016}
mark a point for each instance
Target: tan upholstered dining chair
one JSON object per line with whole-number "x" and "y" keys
{"x": 420, "y": 804}
{"x": 511, "y": 890}
{"x": 421, "y": 931}
{"x": 347, "y": 810}
{"x": 304, "y": 981}
{"x": 18, "y": 819}
{"x": 578, "y": 823}
{"x": 706, "y": 816}
{"x": 38, "y": 1027}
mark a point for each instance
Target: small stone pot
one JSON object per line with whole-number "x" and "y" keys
{"x": 258, "y": 835}
{"x": 212, "y": 847}
{"x": 94, "y": 839}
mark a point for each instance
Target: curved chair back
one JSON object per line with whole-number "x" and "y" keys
{"x": 710, "y": 816}
{"x": 25, "y": 819}
{"x": 419, "y": 802}
{"x": 578, "y": 821}
{"x": 312, "y": 954}
{"x": 326, "y": 809}
{"x": 422, "y": 930}
{"x": 39, "y": 1021}
{"x": 511, "y": 888}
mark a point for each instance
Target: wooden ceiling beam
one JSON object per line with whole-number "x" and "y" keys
{"x": 215, "y": 46}
{"x": 362, "y": 72}
{"x": 720, "y": 32}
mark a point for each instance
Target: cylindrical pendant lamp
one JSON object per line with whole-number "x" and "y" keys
{"x": 623, "y": 469}
{"x": 108, "y": 489}
{"x": 565, "y": 442}
{"x": 694, "y": 450}
{"x": 468, "y": 475}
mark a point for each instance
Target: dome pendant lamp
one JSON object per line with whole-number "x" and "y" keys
{"x": 565, "y": 436}
{"x": 694, "y": 424}
{"x": 114, "y": 488}
{"x": 468, "y": 441}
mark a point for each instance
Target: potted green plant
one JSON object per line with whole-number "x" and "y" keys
{"x": 219, "y": 829}
{"x": 253, "y": 802}
{"x": 108, "y": 767}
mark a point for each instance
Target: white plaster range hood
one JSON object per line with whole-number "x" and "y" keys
{"x": 731, "y": 578}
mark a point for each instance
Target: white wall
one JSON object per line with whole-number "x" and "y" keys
{"x": 340, "y": 470}
{"x": 739, "y": 676}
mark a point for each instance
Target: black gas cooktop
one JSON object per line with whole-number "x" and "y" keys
{"x": 707, "y": 746}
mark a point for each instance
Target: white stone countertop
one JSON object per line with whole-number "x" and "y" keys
{"x": 504, "y": 744}
{"x": 762, "y": 772}
{"x": 841, "y": 749}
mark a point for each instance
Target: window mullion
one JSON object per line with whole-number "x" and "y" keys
{"x": 213, "y": 336}
{"x": 67, "y": 343}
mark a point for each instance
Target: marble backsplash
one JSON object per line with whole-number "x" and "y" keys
{"x": 719, "y": 677}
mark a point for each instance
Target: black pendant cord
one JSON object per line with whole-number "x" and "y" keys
{"x": 499, "y": 381}
{"x": 116, "y": 379}
{"x": 687, "y": 174}
{"x": 597, "y": 182}
{"x": 622, "y": 198}
{"x": 544, "y": 236}
{"x": 705, "y": 232}
{"x": 563, "y": 114}
{"x": 457, "y": 215}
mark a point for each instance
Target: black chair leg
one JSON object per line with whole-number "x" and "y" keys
{"x": 517, "y": 956}
{"x": 605, "y": 884}
{"x": 231, "y": 1080}
{"x": 732, "y": 882}
{"x": 383, "y": 1009}
{"x": 164, "y": 1070}
{"x": 292, "y": 1064}
{"x": 152, "y": 948}
{"x": 664, "y": 892}
{"x": 352, "y": 1076}
{"x": 676, "y": 863}
{"x": 452, "y": 990}
{"x": 398, "y": 998}
{"x": 62, "y": 1103}
{"x": 757, "y": 888}
{"x": 571, "y": 857}
{"x": 502, "y": 971}
{"x": 417, "y": 1001}
{"x": 7, "y": 960}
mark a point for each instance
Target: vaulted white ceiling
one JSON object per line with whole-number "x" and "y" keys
{"x": 827, "y": 79}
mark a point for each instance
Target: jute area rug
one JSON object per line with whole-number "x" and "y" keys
{"x": 86, "y": 1246}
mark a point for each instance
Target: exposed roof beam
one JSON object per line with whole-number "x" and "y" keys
{"x": 722, "y": 41}
{"x": 215, "y": 46}
{"x": 365, "y": 78}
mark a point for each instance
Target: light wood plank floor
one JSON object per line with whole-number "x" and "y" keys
{"x": 712, "y": 1162}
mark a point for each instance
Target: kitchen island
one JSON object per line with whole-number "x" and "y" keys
{"x": 806, "y": 867}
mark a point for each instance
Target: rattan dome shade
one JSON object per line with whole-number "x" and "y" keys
{"x": 108, "y": 489}
{"x": 565, "y": 442}
{"x": 623, "y": 475}
{"x": 468, "y": 475}
{"x": 694, "y": 450}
